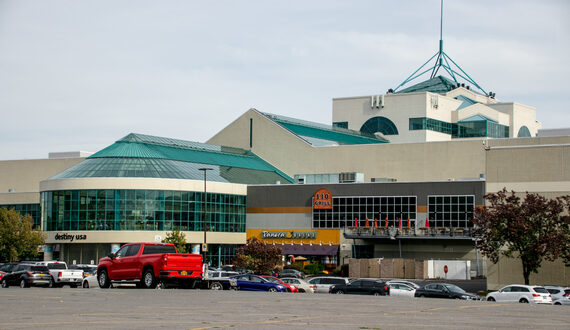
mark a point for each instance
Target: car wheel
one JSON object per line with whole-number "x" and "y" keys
{"x": 422, "y": 296}
{"x": 85, "y": 285}
{"x": 376, "y": 293}
{"x": 103, "y": 279}
{"x": 148, "y": 279}
{"x": 490, "y": 299}
{"x": 23, "y": 284}
{"x": 523, "y": 301}
{"x": 234, "y": 288}
{"x": 216, "y": 286}
{"x": 339, "y": 292}
{"x": 272, "y": 289}
{"x": 557, "y": 303}
{"x": 4, "y": 284}
{"x": 51, "y": 283}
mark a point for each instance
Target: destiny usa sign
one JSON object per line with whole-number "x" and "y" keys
{"x": 322, "y": 200}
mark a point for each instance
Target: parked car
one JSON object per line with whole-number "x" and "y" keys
{"x": 250, "y": 282}
{"x": 444, "y": 290}
{"x": 87, "y": 269}
{"x": 218, "y": 280}
{"x": 290, "y": 272}
{"x": 362, "y": 286}
{"x": 289, "y": 287}
{"x": 148, "y": 264}
{"x": 61, "y": 275}
{"x": 401, "y": 289}
{"x": 561, "y": 301}
{"x": 324, "y": 283}
{"x": 7, "y": 268}
{"x": 26, "y": 275}
{"x": 90, "y": 281}
{"x": 557, "y": 292}
{"x": 522, "y": 294}
{"x": 302, "y": 285}
{"x": 408, "y": 283}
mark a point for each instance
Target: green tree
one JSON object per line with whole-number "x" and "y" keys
{"x": 17, "y": 238}
{"x": 257, "y": 256}
{"x": 177, "y": 238}
{"x": 533, "y": 229}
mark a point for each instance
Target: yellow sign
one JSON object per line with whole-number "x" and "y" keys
{"x": 296, "y": 236}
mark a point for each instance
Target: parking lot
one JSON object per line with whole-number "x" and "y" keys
{"x": 127, "y": 307}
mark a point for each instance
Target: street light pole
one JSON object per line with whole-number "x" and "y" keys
{"x": 205, "y": 245}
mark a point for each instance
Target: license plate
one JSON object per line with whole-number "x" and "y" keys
{"x": 41, "y": 274}
{"x": 183, "y": 273}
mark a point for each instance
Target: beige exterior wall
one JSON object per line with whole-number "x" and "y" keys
{"x": 434, "y": 161}
{"x": 536, "y": 168}
{"x": 24, "y": 176}
{"x": 143, "y": 183}
{"x": 509, "y": 271}
{"x": 144, "y": 236}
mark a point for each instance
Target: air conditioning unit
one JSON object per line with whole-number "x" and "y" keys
{"x": 350, "y": 177}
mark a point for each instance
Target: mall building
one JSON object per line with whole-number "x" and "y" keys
{"x": 362, "y": 187}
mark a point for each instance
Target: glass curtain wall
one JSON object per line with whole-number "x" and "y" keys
{"x": 142, "y": 210}
{"x": 451, "y": 211}
{"x": 346, "y": 209}
{"x": 32, "y": 210}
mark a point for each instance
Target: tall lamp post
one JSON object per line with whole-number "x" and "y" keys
{"x": 205, "y": 245}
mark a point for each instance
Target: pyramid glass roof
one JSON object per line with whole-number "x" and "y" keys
{"x": 138, "y": 155}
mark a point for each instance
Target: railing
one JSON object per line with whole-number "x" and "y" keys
{"x": 408, "y": 232}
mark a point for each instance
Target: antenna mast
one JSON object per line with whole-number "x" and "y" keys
{"x": 442, "y": 60}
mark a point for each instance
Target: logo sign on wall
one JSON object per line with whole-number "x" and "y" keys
{"x": 322, "y": 200}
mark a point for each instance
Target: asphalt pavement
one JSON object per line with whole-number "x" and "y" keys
{"x": 120, "y": 308}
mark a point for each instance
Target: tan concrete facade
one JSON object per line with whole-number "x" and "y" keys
{"x": 22, "y": 178}
{"x": 538, "y": 165}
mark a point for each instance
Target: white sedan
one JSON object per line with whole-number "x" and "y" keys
{"x": 401, "y": 290}
{"x": 90, "y": 281}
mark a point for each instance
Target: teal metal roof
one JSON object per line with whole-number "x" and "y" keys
{"x": 138, "y": 155}
{"x": 477, "y": 118}
{"x": 465, "y": 101}
{"x": 437, "y": 84}
{"x": 319, "y": 134}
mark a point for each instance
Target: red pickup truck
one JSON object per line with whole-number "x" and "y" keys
{"x": 149, "y": 264}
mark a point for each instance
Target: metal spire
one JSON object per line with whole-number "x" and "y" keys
{"x": 442, "y": 60}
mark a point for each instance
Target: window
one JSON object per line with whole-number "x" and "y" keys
{"x": 122, "y": 252}
{"x": 382, "y": 208}
{"x": 379, "y": 124}
{"x": 157, "y": 249}
{"x": 454, "y": 211}
{"x": 133, "y": 250}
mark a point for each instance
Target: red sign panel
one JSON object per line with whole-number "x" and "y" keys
{"x": 322, "y": 200}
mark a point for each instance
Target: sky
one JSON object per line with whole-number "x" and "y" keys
{"x": 79, "y": 75}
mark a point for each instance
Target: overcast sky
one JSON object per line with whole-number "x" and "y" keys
{"x": 79, "y": 75}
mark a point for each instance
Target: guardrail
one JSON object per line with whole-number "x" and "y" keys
{"x": 408, "y": 232}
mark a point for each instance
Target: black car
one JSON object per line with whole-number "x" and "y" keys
{"x": 362, "y": 286}
{"x": 290, "y": 272}
{"x": 7, "y": 268}
{"x": 444, "y": 290}
{"x": 26, "y": 275}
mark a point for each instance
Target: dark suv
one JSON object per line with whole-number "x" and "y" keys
{"x": 362, "y": 286}
{"x": 26, "y": 275}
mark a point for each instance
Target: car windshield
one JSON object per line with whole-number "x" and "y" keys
{"x": 454, "y": 288}
{"x": 540, "y": 289}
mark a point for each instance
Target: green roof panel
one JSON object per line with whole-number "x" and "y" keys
{"x": 437, "y": 84}
{"x": 306, "y": 129}
{"x": 138, "y": 155}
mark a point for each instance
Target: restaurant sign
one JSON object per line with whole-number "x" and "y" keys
{"x": 322, "y": 200}
{"x": 288, "y": 234}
